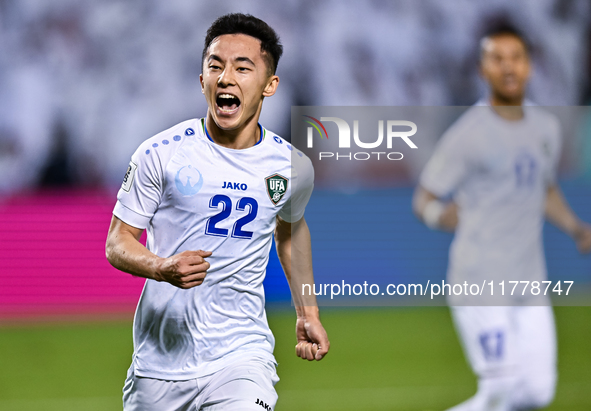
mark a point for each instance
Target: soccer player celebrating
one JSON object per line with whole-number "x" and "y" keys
{"x": 497, "y": 164}
{"x": 222, "y": 184}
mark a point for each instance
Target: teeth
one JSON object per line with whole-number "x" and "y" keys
{"x": 227, "y": 96}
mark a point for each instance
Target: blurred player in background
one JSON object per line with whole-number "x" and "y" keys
{"x": 492, "y": 180}
{"x": 224, "y": 184}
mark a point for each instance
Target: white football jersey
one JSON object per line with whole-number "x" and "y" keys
{"x": 192, "y": 194}
{"x": 498, "y": 172}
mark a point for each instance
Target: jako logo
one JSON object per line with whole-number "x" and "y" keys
{"x": 263, "y": 404}
{"x": 345, "y": 132}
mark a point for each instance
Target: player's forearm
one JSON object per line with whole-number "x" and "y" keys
{"x": 559, "y": 213}
{"x": 420, "y": 199}
{"x": 133, "y": 258}
{"x": 302, "y": 272}
{"x": 126, "y": 253}
{"x": 433, "y": 212}
{"x": 294, "y": 250}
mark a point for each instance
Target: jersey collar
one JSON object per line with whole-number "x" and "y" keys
{"x": 204, "y": 127}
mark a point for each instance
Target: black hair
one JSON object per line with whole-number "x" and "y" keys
{"x": 238, "y": 23}
{"x": 504, "y": 27}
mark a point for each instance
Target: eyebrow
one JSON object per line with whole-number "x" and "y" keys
{"x": 241, "y": 59}
{"x": 245, "y": 59}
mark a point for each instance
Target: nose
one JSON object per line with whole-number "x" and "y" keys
{"x": 226, "y": 78}
{"x": 508, "y": 65}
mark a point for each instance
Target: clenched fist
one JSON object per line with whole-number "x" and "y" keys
{"x": 184, "y": 270}
{"x": 313, "y": 342}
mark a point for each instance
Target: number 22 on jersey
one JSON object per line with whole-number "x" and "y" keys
{"x": 246, "y": 206}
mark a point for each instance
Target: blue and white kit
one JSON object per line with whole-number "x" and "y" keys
{"x": 192, "y": 194}
{"x": 498, "y": 172}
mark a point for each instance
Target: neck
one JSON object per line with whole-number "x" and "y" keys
{"x": 247, "y": 135}
{"x": 508, "y": 108}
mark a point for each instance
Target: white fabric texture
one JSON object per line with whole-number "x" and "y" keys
{"x": 246, "y": 385}
{"x": 513, "y": 352}
{"x": 192, "y": 194}
{"x": 498, "y": 172}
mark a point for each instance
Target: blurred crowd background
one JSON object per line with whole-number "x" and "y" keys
{"x": 82, "y": 83}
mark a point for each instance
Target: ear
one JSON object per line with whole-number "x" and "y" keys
{"x": 271, "y": 87}
{"x": 201, "y": 81}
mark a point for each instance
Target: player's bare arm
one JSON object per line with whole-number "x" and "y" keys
{"x": 295, "y": 254}
{"x": 124, "y": 251}
{"x": 434, "y": 212}
{"x": 560, "y": 214}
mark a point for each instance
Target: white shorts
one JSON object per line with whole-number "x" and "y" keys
{"x": 247, "y": 385}
{"x": 509, "y": 341}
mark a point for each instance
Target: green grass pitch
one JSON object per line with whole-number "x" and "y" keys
{"x": 381, "y": 359}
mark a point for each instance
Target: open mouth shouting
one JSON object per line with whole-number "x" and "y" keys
{"x": 227, "y": 104}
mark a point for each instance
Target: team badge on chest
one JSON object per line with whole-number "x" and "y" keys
{"x": 276, "y": 187}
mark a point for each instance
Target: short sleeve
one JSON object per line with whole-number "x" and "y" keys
{"x": 448, "y": 166}
{"x": 141, "y": 191}
{"x": 554, "y": 147}
{"x": 302, "y": 185}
